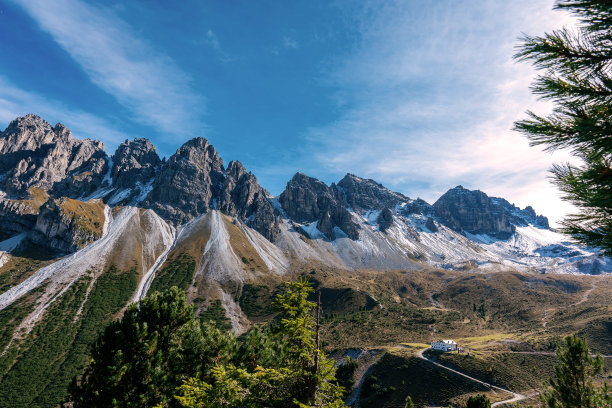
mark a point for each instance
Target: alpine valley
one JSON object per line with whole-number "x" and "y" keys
{"x": 83, "y": 234}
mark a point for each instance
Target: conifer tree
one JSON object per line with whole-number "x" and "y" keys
{"x": 573, "y": 383}
{"x": 141, "y": 359}
{"x": 576, "y": 76}
{"x": 478, "y": 401}
{"x": 302, "y": 378}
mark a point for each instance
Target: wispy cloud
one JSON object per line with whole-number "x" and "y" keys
{"x": 211, "y": 38}
{"x": 289, "y": 42}
{"x": 429, "y": 96}
{"x": 144, "y": 80}
{"x": 15, "y": 102}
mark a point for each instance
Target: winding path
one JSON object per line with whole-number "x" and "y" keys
{"x": 515, "y": 396}
{"x": 585, "y": 297}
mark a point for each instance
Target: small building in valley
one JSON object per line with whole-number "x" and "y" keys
{"x": 444, "y": 345}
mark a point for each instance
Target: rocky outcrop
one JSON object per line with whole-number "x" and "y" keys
{"x": 365, "y": 194}
{"x": 194, "y": 180}
{"x": 430, "y": 224}
{"x": 243, "y": 197}
{"x": 385, "y": 219}
{"x": 15, "y": 217}
{"x": 521, "y": 217}
{"x": 418, "y": 206}
{"x": 188, "y": 182}
{"x": 35, "y": 154}
{"x": 66, "y": 225}
{"x": 306, "y": 200}
{"x": 135, "y": 161}
{"x": 472, "y": 211}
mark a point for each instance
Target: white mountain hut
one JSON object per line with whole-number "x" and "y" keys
{"x": 444, "y": 345}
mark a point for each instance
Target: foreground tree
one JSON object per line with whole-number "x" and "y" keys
{"x": 304, "y": 378}
{"x": 159, "y": 346}
{"x": 478, "y": 401}
{"x": 140, "y": 360}
{"x": 576, "y": 68}
{"x": 573, "y": 383}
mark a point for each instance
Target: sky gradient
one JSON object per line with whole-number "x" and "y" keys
{"x": 418, "y": 95}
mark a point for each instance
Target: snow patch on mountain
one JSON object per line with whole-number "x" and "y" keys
{"x": 312, "y": 231}
{"x": 8, "y": 245}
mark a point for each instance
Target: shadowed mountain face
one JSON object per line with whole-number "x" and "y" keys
{"x": 188, "y": 183}
{"x": 135, "y": 161}
{"x": 474, "y": 212}
{"x": 307, "y": 200}
{"x": 194, "y": 181}
{"x": 365, "y": 194}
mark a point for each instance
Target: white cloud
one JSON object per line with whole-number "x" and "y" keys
{"x": 289, "y": 42}
{"x": 145, "y": 81}
{"x": 429, "y": 98}
{"x": 212, "y": 39}
{"x": 15, "y": 102}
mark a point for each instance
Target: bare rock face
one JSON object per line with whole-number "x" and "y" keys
{"x": 194, "y": 180}
{"x": 521, "y": 217}
{"x": 366, "y": 194}
{"x": 188, "y": 182}
{"x": 16, "y": 216}
{"x": 474, "y": 212}
{"x": 243, "y": 197}
{"x": 134, "y": 162}
{"x": 418, "y": 206}
{"x": 307, "y": 199}
{"x": 34, "y": 154}
{"x": 431, "y": 225}
{"x": 66, "y": 225}
{"x": 385, "y": 219}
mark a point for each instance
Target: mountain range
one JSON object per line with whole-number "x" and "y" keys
{"x": 73, "y": 217}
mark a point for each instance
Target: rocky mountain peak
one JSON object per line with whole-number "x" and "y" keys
{"x": 243, "y": 197}
{"x": 472, "y": 211}
{"x": 193, "y": 181}
{"x": 28, "y": 132}
{"x": 366, "y": 194}
{"x": 134, "y": 162}
{"x": 188, "y": 182}
{"x": 307, "y": 200}
{"x": 235, "y": 170}
{"x": 34, "y": 154}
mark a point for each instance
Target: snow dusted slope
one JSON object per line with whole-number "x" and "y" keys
{"x": 8, "y": 245}
{"x": 408, "y": 243}
{"x": 545, "y": 250}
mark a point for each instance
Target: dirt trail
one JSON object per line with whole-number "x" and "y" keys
{"x": 366, "y": 360}
{"x": 586, "y": 295}
{"x": 515, "y": 396}
{"x": 551, "y": 311}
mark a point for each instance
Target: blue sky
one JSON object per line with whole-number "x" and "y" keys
{"x": 419, "y": 95}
